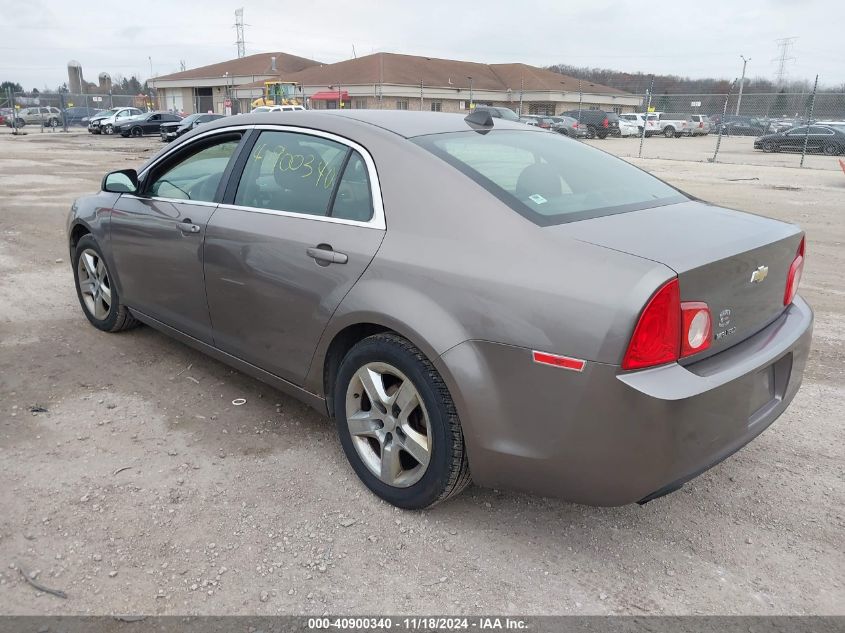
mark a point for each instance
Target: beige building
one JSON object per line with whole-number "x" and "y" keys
{"x": 208, "y": 87}
{"x": 390, "y": 81}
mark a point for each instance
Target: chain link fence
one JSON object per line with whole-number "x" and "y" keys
{"x": 53, "y": 111}
{"x": 734, "y": 127}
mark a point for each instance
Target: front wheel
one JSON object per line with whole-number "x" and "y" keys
{"x": 830, "y": 149}
{"x": 107, "y": 129}
{"x": 398, "y": 425}
{"x": 136, "y": 131}
{"x": 768, "y": 146}
{"x": 98, "y": 296}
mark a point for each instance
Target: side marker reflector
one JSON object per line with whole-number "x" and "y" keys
{"x": 564, "y": 362}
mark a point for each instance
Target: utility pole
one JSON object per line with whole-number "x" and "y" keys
{"x": 741, "y": 83}
{"x": 785, "y": 44}
{"x": 470, "y": 93}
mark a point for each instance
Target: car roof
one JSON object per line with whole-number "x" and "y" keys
{"x": 403, "y": 123}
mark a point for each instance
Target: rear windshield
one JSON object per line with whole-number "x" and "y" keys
{"x": 550, "y": 179}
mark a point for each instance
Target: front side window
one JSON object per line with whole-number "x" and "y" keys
{"x": 196, "y": 177}
{"x": 287, "y": 171}
{"x": 547, "y": 179}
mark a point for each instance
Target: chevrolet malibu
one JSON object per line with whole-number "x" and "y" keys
{"x": 467, "y": 297}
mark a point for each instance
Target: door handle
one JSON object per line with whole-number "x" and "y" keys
{"x": 187, "y": 226}
{"x": 325, "y": 255}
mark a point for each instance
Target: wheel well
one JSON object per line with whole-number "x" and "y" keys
{"x": 76, "y": 234}
{"x": 344, "y": 341}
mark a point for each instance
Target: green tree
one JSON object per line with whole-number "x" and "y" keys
{"x": 10, "y": 85}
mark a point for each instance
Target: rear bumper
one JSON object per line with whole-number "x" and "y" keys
{"x": 608, "y": 437}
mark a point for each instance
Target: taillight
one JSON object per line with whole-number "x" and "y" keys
{"x": 701, "y": 124}
{"x": 696, "y": 327}
{"x": 794, "y": 276}
{"x": 605, "y": 123}
{"x": 668, "y": 329}
{"x": 656, "y": 339}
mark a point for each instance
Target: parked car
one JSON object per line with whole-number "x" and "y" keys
{"x": 498, "y": 112}
{"x": 628, "y": 127}
{"x": 568, "y": 126}
{"x": 602, "y": 337}
{"x": 829, "y": 139}
{"x": 599, "y": 124}
{"x": 701, "y": 125}
{"x": 287, "y": 108}
{"x": 537, "y": 120}
{"x": 104, "y": 122}
{"x": 641, "y": 119}
{"x": 740, "y": 125}
{"x": 79, "y": 115}
{"x": 42, "y": 116}
{"x": 149, "y": 123}
{"x": 674, "y": 124}
{"x": 172, "y": 130}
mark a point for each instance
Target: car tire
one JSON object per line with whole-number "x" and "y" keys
{"x": 669, "y": 132}
{"x": 107, "y": 129}
{"x": 98, "y": 296}
{"x": 769, "y": 146}
{"x": 602, "y": 135}
{"x": 591, "y": 131}
{"x": 394, "y": 368}
{"x": 136, "y": 131}
{"x": 830, "y": 149}
{"x": 19, "y": 123}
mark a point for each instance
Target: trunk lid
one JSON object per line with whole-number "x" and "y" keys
{"x": 715, "y": 252}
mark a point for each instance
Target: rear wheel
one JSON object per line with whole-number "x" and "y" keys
{"x": 591, "y": 131}
{"x": 98, "y": 296}
{"x": 398, "y": 425}
{"x": 602, "y": 134}
{"x": 830, "y": 149}
{"x": 669, "y": 132}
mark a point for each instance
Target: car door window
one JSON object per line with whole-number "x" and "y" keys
{"x": 353, "y": 200}
{"x": 195, "y": 176}
{"x": 820, "y": 130}
{"x": 292, "y": 172}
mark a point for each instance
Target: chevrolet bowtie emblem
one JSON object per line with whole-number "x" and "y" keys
{"x": 759, "y": 275}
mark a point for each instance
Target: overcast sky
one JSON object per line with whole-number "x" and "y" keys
{"x": 39, "y": 37}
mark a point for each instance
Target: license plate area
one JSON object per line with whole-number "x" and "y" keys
{"x": 768, "y": 387}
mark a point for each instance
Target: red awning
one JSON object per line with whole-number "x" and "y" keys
{"x": 330, "y": 95}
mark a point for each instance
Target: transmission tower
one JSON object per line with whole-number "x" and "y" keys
{"x": 785, "y": 44}
{"x": 239, "y": 29}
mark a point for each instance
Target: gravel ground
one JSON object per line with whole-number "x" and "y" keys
{"x": 142, "y": 489}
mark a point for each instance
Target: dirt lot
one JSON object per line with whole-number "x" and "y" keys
{"x": 142, "y": 489}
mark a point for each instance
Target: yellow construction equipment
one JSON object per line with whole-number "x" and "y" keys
{"x": 278, "y": 93}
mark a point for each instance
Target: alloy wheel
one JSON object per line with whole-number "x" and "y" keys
{"x": 94, "y": 284}
{"x": 388, "y": 424}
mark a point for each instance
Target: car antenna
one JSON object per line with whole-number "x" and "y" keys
{"x": 481, "y": 118}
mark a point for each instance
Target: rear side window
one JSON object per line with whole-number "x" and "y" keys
{"x": 548, "y": 179}
{"x": 292, "y": 172}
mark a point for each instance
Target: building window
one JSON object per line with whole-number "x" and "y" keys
{"x": 617, "y": 109}
{"x": 437, "y": 106}
{"x": 543, "y": 109}
{"x": 359, "y": 104}
{"x": 402, "y": 104}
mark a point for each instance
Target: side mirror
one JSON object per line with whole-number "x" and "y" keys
{"x": 123, "y": 181}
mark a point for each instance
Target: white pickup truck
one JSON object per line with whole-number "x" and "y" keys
{"x": 673, "y": 124}
{"x": 641, "y": 119}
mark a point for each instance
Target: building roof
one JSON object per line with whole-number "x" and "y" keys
{"x": 258, "y": 64}
{"x": 409, "y": 70}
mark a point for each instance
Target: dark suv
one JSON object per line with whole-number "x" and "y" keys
{"x": 599, "y": 123}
